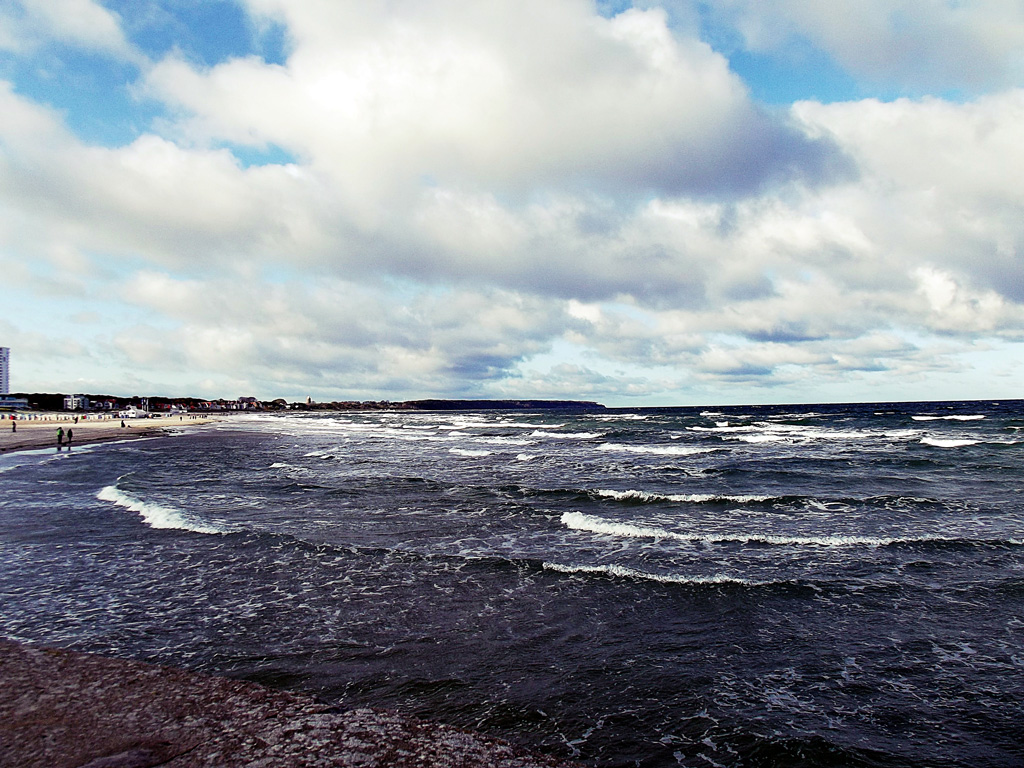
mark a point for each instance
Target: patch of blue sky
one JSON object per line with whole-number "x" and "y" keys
{"x": 207, "y": 32}
{"x": 807, "y": 75}
{"x": 610, "y": 8}
{"x": 91, "y": 91}
{"x": 270, "y": 154}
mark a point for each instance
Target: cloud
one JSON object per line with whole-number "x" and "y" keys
{"x": 510, "y": 200}
{"x": 510, "y": 98}
{"x": 933, "y": 44}
{"x": 84, "y": 24}
{"x": 346, "y": 336}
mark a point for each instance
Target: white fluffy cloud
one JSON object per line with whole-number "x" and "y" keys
{"x": 84, "y": 24}
{"x": 512, "y": 200}
{"x": 501, "y": 97}
{"x": 932, "y": 44}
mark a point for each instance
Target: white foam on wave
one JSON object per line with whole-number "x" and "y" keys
{"x": 694, "y": 498}
{"x": 499, "y": 440}
{"x": 582, "y": 522}
{"x": 526, "y": 425}
{"x": 569, "y": 435}
{"x": 468, "y": 452}
{"x": 659, "y": 450}
{"x": 526, "y": 457}
{"x": 796, "y": 433}
{"x": 631, "y": 573}
{"x": 940, "y": 442}
{"x": 154, "y": 515}
{"x": 578, "y": 521}
{"x": 970, "y": 417}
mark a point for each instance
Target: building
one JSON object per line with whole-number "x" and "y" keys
{"x": 75, "y": 402}
{"x": 5, "y": 370}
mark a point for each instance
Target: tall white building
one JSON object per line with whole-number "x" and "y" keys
{"x": 5, "y": 370}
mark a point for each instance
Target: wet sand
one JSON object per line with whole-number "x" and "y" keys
{"x": 42, "y": 432}
{"x": 60, "y": 709}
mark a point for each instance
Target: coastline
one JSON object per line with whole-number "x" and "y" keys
{"x": 41, "y": 430}
{"x": 64, "y": 709}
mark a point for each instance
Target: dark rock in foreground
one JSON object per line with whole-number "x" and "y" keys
{"x": 60, "y": 709}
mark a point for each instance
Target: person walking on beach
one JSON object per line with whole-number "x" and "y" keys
{"x": 60, "y": 438}
{"x": 69, "y": 438}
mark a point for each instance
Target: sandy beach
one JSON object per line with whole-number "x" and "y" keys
{"x": 41, "y": 430}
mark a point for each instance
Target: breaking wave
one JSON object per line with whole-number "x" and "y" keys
{"x": 647, "y": 497}
{"x": 154, "y": 515}
{"x": 939, "y": 442}
{"x": 658, "y": 450}
{"x": 582, "y": 522}
{"x": 622, "y": 572}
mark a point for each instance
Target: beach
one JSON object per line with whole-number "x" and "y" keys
{"x": 60, "y": 709}
{"x": 40, "y": 431}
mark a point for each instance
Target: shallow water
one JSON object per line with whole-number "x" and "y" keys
{"x": 819, "y": 585}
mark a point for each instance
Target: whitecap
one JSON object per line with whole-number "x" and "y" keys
{"x": 631, "y": 573}
{"x": 660, "y": 450}
{"x": 579, "y": 521}
{"x": 966, "y": 417}
{"x": 693, "y": 498}
{"x": 583, "y": 522}
{"x": 468, "y": 452}
{"x": 939, "y": 442}
{"x": 154, "y": 515}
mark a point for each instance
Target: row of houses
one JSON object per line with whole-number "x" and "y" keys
{"x": 140, "y": 406}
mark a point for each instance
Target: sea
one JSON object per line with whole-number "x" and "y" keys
{"x": 812, "y": 585}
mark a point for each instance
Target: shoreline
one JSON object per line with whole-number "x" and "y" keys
{"x": 41, "y": 430}
{"x": 66, "y": 709}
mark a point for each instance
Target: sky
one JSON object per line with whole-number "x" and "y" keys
{"x": 640, "y": 203}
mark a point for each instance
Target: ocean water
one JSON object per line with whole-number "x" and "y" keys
{"x": 754, "y": 586}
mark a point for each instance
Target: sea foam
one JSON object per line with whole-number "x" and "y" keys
{"x": 693, "y": 498}
{"x": 939, "y": 442}
{"x": 620, "y": 571}
{"x": 658, "y": 450}
{"x": 971, "y": 417}
{"x": 154, "y": 515}
{"x": 581, "y": 522}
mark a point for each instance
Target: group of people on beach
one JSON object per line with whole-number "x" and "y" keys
{"x": 62, "y": 435}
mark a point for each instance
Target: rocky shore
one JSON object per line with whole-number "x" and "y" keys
{"x": 61, "y": 709}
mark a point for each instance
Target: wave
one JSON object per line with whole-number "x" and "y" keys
{"x": 794, "y": 433}
{"x": 646, "y": 497}
{"x": 468, "y": 452}
{"x": 971, "y": 417}
{"x": 659, "y": 450}
{"x": 939, "y": 442}
{"x": 569, "y": 435}
{"x": 582, "y": 522}
{"x": 524, "y": 425}
{"x": 622, "y": 572}
{"x": 154, "y": 515}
